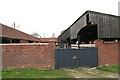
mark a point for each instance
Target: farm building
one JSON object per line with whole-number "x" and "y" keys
{"x": 103, "y": 29}
{"x": 21, "y": 50}
{"x": 91, "y": 26}
{"x": 11, "y": 35}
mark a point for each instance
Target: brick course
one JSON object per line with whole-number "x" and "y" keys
{"x": 32, "y": 55}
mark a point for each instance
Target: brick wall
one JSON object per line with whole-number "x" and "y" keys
{"x": 24, "y": 55}
{"x": 119, "y": 53}
{"x": 108, "y": 52}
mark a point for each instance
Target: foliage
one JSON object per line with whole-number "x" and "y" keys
{"x": 35, "y": 34}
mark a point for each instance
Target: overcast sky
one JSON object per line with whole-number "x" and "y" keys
{"x": 50, "y": 16}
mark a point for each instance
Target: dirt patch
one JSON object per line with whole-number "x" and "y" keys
{"x": 90, "y": 73}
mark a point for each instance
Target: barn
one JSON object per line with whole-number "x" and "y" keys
{"x": 91, "y": 26}
{"x": 11, "y": 35}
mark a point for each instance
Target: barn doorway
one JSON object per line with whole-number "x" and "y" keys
{"x": 88, "y": 34}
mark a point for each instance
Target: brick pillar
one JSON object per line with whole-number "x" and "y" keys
{"x": 107, "y": 52}
{"x": 51, "y": 44}
{"x": 119, "y": 52}
{"x": 98, "y": 43}
{"x": 52, "y": 53}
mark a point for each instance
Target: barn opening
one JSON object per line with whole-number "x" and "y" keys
{"x": 88, "y": 34}
{"x": 73, "y": 41}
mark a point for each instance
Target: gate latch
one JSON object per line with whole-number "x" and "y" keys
{"x": 74, "y": 57}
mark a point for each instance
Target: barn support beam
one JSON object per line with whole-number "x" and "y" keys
{"x": 68, "y": 43}
{"x": 11, "y": 41}
{"x": 61, "y": 44}
{"x": 78, "y": 42}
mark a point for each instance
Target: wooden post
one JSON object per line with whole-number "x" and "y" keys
{"x": 78, "y": 43}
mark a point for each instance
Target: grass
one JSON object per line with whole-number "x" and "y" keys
{"x": 98, "y": 72}
{"x": 34, "y": 73}
{"x": 112, "y": 68}
{"x": 57, "y": 73}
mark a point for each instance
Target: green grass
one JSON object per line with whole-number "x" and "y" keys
{"x": 0, "y": 74}
{"x": 112, "y": 68}
{"x": 51, "y": 73}
{"x": 34, "y": 73}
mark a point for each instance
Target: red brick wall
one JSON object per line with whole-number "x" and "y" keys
{"x": 119, "y": 53}
{"x": 28, "y": 55}
{"x": 107, "y": 52}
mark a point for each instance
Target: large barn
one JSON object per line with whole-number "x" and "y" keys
{"x": 92, "y": 26}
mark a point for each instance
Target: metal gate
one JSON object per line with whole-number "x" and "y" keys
{"x": 69, "y": 58}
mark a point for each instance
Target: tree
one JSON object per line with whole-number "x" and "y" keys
{"x": 36, "y": 34}
{"x": 53, "y": 35}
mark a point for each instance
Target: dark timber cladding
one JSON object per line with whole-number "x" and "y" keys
{"x": 108, "y": 25}
{"x": 77, "y": 25}
{"x": 104, "y": 26}
{"x": 64, "y": 36}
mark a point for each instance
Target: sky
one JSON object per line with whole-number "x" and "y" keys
{"x": 50, "y": 16}
{"x": 119, "y": 8}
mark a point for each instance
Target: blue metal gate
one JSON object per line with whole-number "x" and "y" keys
{"x": 69, "y": 58}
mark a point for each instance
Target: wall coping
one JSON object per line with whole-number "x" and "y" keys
{"x": 108, "y": 42}
{"x": 25, "y": 44}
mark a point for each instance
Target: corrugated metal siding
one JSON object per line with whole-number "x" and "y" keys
{"x": 64, "y": 58}
{"x": 108, "y": 26}
{"x": 87, "y": 57}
